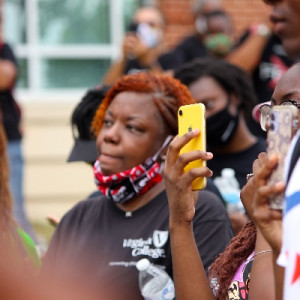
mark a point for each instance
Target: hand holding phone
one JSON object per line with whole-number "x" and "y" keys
{"x": 279, "y": 136}
{"x": 192, "y": 117}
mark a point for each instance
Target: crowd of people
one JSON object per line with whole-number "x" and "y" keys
{"x": 144, "y": 205}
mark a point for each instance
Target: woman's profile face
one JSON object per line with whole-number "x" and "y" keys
{"x": 208, "y": 91}
{"x": 132, "y": 131}
{"x": 288, "y": 87}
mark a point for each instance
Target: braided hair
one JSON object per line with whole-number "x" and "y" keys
{"x": 226, "y": 265}
{"x": 84, "y": 111}
{"x": 167, "y": 93}
{"x": 230, "y": 77}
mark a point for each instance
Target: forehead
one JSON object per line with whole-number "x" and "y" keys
{"x": 204, "y": 87}
{"x": 133, "y": 103}
{"x": 288, "y": 87}
{"x": 148, "y": 15}
{"x": 219, "y": 23}
{"x": 291, "y": 3}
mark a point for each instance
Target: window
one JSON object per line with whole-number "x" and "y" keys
{"x": 64, "y": 46}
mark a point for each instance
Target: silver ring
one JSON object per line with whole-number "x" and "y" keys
{"x": 248, "y": 176}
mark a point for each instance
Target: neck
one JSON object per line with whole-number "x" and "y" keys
{"x": 142, "y": 200}
{"x": 242, "y": 140}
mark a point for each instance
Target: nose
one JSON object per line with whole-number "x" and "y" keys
{"x": 112, "y": 133}
{"x": 109, "y": 134}
{"x": 276, "y": 13}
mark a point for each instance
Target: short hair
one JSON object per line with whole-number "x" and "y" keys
{"x": 168, "y": 94}
{"x": 231, "y": 78}
{"x": 154, "y": 7}
{"x": 83, "y": 113}
{"x": 197, "y": 6}
{"x": 272, "y": 2}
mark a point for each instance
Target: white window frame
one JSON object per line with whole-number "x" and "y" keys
{"x": 34, "y": 53}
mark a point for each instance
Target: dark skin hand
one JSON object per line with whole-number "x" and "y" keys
{"x": 269, "y": 221}
{"x": 175, "y": 177}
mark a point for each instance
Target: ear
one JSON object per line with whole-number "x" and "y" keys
{"x": 235, "y": 99}
{"x": 235, "y": 104}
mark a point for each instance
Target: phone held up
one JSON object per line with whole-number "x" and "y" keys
{"x": 283, "y": 125}
{"x": 191, "y": 117}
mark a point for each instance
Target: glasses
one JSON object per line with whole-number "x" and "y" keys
{"x": 265, "y": 112}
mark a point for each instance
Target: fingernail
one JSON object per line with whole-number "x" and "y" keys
{"x": 209, "y": 154}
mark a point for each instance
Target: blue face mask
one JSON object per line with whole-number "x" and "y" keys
{"x": 150, "y": 36}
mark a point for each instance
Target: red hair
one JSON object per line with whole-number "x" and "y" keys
{"x": 226, "y": 265}
{"x": 168, "y": 94}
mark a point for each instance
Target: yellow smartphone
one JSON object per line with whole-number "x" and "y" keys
{"x": 283, "y": 125}
{"x": 192, "y": 116}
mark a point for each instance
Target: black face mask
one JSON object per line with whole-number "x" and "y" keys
{"x": 221, "y": 127}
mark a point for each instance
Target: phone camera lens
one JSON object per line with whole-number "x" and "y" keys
{"x": 180, "y": 113}
{"x": 273, "y": 117}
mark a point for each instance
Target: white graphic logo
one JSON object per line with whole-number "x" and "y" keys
{"x": 160, "y": 238}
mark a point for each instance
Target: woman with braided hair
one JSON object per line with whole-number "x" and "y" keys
{"x": 129, "y": 220}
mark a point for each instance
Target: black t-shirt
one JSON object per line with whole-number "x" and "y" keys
{"x": 110, "y": 242}
{"x": 8, "y": 107}
{"x": 190, "y": 48}
{"x": 273, "y": 63}
{"x": 241, "y": 162}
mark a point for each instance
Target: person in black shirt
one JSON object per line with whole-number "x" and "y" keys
{"x": 11, "y": 117}
{"x": 129, "y": 220}
{"x": 142, "y": 45}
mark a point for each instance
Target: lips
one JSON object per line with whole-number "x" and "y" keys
{"x": 108, "y": 156}
{"x": 279, "y": 24}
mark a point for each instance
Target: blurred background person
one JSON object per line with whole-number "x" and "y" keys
{"x": 84, "y": 148}
{"x": 11, "y": 118}
{"x": 213, "y": 34}
{"x": 143, "y": 43}
{"x": 260, "y": 52}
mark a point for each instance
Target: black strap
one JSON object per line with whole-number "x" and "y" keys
{"x": 294, "y": 158}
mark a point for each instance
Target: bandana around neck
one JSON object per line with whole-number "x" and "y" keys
{"x": 123, "y": 186}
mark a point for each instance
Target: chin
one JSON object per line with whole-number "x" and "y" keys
{"x": 292, "y": 48}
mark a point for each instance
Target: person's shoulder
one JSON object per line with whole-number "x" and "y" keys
{"x": 6, "y": 48}
{"x": 189, "y": 41}
{"x": 85, "y": 207}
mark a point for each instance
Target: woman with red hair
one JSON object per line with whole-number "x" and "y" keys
{"x": 128, "y": 220}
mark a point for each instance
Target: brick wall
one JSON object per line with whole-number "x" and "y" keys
{"x": 180, "y": 18}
